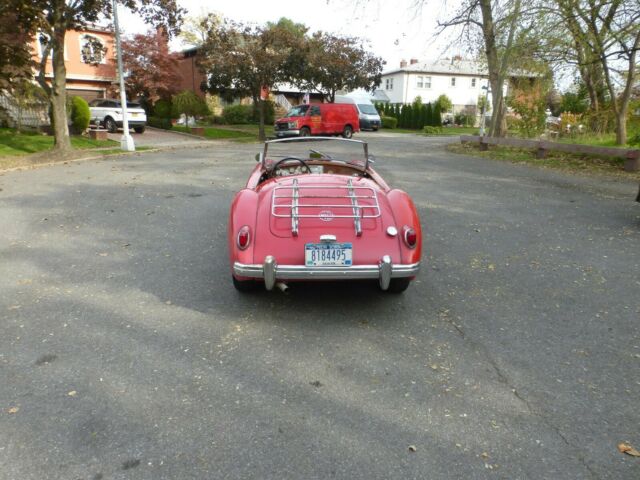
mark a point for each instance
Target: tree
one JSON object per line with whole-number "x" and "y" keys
{"x": 242, "y": 60}
{"x": 335, "y": 63}
{"x": 153, "y": 71}
{"x": 610, "y": 31}
{"x": 505, "y": 32}
{"x": 18, "y": 20}
{"x": 194, "y": 29}
{"x": 445, "y": 103}
{"x": 56, "y": 17}
{"x": 189, "y": 104}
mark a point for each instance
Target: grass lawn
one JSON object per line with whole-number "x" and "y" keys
{"x": 237, "y": 132}
{"x": 606, "y": 140}
{"x": 446, "y": 131}
{"x": 18, "y": 144}
{"x": 556, "y": 160}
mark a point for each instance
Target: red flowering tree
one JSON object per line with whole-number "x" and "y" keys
{"x": 152, "y": 72}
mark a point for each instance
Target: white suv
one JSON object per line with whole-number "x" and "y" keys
{"x": 106, "y": 112}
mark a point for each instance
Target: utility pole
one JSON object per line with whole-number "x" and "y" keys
{"x": 126, "y": 142}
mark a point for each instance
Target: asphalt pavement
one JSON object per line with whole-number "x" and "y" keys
{"x": 126, "y": 353}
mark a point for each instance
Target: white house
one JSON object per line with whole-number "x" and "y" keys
{"x": 460, "y": 80}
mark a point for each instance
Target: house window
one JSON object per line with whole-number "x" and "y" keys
{"x": 453, "y": 81}
{"x": 389, "y": 84}
{"x": 419, "y": 81}
{"x": 92, "y": 50}
{"x": 427, "y": 82}
{"x": 473, "y": 83}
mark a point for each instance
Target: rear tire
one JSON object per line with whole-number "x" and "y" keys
{"x": 244, "y": 286}
{"x": 305, "y": 132}
{"x": 110, "y": 125}
{"x": 398, "y": 285}
{"x": 139, "y": 129}
{"x": 347, "y": 132}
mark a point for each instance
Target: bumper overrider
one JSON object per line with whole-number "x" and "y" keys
{"x": 269, "y": 271}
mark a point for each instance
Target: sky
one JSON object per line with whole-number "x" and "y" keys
{"x": 395, "y": 30}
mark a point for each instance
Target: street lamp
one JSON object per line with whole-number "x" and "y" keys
{"x": 126, "y": 142}
{"x": 484, "y": 107}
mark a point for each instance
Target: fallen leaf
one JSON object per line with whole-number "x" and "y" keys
{"x": 412, "y": 448}
{"x": 103, "y": 254}
{"x": 14, "y": 410}
{"x": 72, "y": 393}
{"x": 624, "y": 447}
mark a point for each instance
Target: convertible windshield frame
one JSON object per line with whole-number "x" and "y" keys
{"x": 365, "y": 147}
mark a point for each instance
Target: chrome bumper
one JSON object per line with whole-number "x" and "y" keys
{"x": 384, "y": 271}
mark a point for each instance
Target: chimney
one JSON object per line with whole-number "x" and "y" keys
{"x": 413, "y": 61}
{"x": 403, "y": 63}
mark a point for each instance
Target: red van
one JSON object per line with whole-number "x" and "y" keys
{"x": 319, "y": 119}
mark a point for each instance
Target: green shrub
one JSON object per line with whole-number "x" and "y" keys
{"x": 431, "y": 130}
{"x": 189, "y": 104}
{"x": 437, "y": 116}
{"x": 80, "y": 114}
{"x": 463, "y": 119}
{"x": 389, "y": 122}
{"x": 237, "y": 114}
{"x": 162, "y": 108}
{"x": 158, "y": 122}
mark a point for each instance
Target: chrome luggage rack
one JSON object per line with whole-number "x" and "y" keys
{"x": 297, "y": 201}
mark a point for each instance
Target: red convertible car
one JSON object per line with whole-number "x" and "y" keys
{"x": 314, "y": 209}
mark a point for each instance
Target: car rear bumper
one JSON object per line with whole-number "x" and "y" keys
{"x": 132, "y": 123}
{"x": 270, "y": 271}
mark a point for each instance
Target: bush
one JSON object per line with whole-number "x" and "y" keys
{"x": 80, "y": 114}
{"x": 237, "y": 114}
{"x": 158, "y": 122}
{"x": 162, "y": 108}
{"x": 431, "y": 130}
{"x": 463, "y": 119}
{"x": 189, "y": 104}
{"x": 389, "y": 122}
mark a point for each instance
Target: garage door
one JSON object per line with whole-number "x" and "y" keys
{"x": 88, "y": 95}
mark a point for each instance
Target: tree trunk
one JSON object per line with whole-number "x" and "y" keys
{"x": 58, "y": 95}
{"x": 621, "y": 128}
{"x": 261, "y": 134}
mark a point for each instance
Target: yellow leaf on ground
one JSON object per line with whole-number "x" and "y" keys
{"x": 624, "y": 447}
{"x": 14, "y": 410}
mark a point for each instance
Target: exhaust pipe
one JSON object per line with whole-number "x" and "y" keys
{"x": 282, "y": 286}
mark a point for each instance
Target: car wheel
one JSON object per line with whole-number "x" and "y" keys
{"x": 244, "y": 285}
{"x": 110, "y": 125}
{"x": 398, "y": 285}
{"x": 347, "y": 132}
{"x": 305, "y": 132}
{"x": 138, "y": 129}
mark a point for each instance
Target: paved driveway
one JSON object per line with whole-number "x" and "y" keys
{"x": 155, "y": 137}
{"x": 126, "y": 353}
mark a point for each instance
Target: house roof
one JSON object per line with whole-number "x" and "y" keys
{"x": 453, "y": 67}
{"x": 447, "y": 66}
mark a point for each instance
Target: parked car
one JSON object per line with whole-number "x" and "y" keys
{"x": 368, "y": 116}
{"x": 314, "y": 209}
{"x": 107, "y": 112}
{"x": 319, "y": 119}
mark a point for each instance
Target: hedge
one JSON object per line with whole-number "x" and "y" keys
{"x": 80, "y": 114}
{"x": 389, "y": 122}
{"x": 157, "y": 122}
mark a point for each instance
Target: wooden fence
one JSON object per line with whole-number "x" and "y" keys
{"x": 631, "y": 156}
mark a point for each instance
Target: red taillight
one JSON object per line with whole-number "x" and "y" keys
{"x": 410, "y": 237}
{"x": 244, "y": 238}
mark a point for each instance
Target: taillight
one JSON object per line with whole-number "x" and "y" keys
{"x": 410, "y": 237}
{"x": 244, "y": 238}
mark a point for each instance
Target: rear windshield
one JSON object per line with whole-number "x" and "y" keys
{"x": 298, "y": 111}
{"x": 367, "y": 108}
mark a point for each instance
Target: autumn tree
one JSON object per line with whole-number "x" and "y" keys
{"x": 56, "y": 17}
{"x": 247, "y": 61}
{"x": 18, "y": 21}
{"x": 606, "y": 39}
{"x": 152, "y": 69}
{"x": 334, "y": 63}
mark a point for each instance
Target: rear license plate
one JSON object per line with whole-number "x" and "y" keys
{"x": 328, "y": 254}
{"x": 135, "y": 114}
